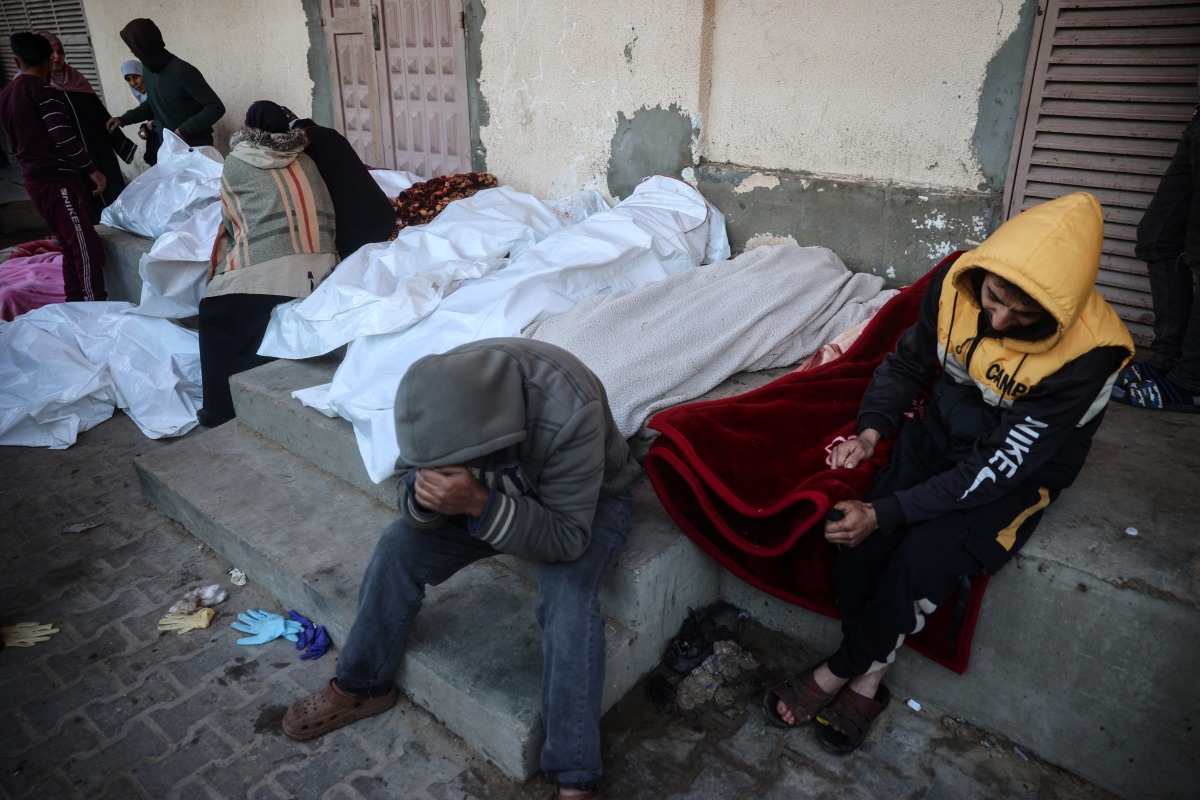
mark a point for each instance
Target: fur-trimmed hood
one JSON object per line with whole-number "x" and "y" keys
{"x": 266, "y": 150}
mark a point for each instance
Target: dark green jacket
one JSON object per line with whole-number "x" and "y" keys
{"x": 179, "y": 99}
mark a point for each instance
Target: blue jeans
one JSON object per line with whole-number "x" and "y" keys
{"x": 1168, "y": 240}
{"x": 407, "y": 559}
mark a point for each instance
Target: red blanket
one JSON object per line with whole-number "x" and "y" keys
{"x": 745, "y": 477}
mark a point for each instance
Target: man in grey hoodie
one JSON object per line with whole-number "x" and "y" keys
{"x": 510, "y": 447}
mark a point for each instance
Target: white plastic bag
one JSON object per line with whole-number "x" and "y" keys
{"x": 49, "y": 391}
{"x": 162, "y": 198}
{"x": 175, "y": 271}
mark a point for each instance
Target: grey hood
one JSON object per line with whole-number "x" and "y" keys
{"x": 458, "y": 406}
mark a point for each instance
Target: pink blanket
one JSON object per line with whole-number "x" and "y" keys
{"x": 30, "y": 282}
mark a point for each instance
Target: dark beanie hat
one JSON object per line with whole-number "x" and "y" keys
{"x": 145, "y": 41}
{"x": 267, "y": 116}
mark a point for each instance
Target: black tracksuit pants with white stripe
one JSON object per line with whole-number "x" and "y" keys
{"x": 64, "y": 211}
{"x": 880, "y": 582}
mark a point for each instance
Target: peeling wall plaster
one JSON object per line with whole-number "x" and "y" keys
{"x": 757, "y": 181}
{"x": 562, "y": 78}
{"x": 762, "y": 239}
{"x": 654, "y": 141}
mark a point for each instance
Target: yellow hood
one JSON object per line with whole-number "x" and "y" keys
{"x": 1052, "y": 251}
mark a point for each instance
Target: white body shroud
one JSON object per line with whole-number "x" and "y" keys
{"x": 663, "y": 228}
{"x": 673, "y": 340}
{"x": 65, "y": 367}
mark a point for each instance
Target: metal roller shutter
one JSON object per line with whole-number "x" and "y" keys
{"x": 64, "y": 18}
{"x": 1109, "y": 88}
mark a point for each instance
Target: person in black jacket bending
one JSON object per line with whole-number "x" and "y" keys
{"x": 362, "y": 211}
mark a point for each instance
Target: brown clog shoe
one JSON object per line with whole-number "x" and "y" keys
{"x": 330, "y": 709}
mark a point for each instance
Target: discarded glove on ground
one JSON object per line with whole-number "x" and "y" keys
{"x": 265, "y": 627}
{"x": 200, "y": 597}
{"x": 314, "y": 639}
{"x": 27, "y": 634}
{"x": 186, "y": 622}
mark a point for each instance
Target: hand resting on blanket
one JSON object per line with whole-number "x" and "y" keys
{"x": 858, "y": 518}
{"x": 855, "y": 450}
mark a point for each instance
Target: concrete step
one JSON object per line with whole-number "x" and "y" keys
{"x": 306, "y": 536}
{"x": 659, "y": 575}
{"x": 1086, "y": 649}
{"x": 123, "y": 253}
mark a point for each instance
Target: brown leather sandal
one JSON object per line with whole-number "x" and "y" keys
{"x": 852, "y": 714}
{"x": 801, "y": 694}
{"x": 330, "y": 709}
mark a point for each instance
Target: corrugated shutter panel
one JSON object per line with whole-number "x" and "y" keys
{"x": 64, "y": 18}
{"x": 1110, "y": 86}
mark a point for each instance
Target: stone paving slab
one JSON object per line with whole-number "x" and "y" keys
{"x": 111, "y": 708}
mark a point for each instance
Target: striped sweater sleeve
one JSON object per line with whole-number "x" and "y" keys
{"x": 62, "y": 132}
{"x": 555, "y": 524}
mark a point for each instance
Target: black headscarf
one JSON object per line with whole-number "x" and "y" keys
{"x": 267, "y": 116}
{"x": 145, "y": 41}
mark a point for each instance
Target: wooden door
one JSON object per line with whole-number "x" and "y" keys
{"x": 399, "y": 72}
{"x": 422, "y": 75}
{"x": 351, "y": 40}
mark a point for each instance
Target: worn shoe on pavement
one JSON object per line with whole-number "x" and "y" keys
{"x": 1159, "y": 394}
{"x": 1134, "y": 372}
{"x": 332, "y": 708}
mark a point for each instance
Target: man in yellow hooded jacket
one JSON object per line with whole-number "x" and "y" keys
{"x": 1021, "y": 353}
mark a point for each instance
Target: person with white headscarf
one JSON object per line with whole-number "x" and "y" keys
{"x": 131, "y": 71}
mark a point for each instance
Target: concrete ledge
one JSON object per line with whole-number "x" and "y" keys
{"x": 474, "y": 654}
{"x": 264, "y": 402}
{"x": 123, "y": 253}
{"x": 658, "y": 575}
{"x": 1086, "y": 649}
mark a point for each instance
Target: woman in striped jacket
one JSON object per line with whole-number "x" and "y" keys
{"x": 276, "y": 243}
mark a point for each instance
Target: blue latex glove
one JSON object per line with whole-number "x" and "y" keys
{"x": 314, "y": 639}
{"x": 265, "y": 627}
{"x": 319, "y": 644}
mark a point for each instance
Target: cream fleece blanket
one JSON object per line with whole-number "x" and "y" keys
{"x": 671, "y": 341}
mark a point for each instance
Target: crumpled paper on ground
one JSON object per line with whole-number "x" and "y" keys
{"x": 707, "y": 681}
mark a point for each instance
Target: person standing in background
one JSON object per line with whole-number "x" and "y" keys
{"x": 178, "y": 97}
{"x": 89, "y": 116}
{"x": 1168, "y": 240}
{"x": 50, "y": 151}
{"x": 131, "y": 71}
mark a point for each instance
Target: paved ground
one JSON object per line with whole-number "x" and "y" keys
{"x": 111, "y": 708}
